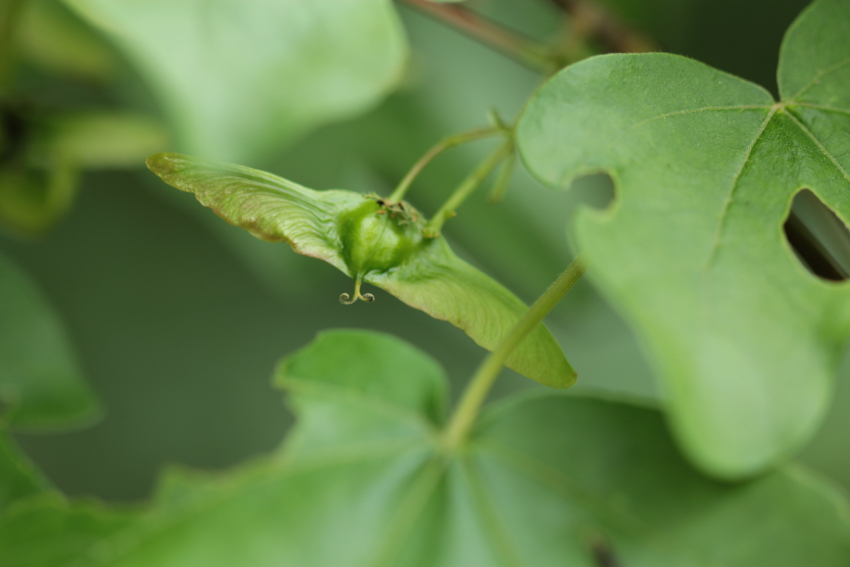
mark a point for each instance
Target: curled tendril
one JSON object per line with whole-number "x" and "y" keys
{"x": 346, "y": 299}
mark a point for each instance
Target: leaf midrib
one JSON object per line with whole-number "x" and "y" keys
{"x": 798, "y": 121}
{"x": 788, "y": 108}
{"x": 730, "y": 196}
{"x": 406, "y": 515}
{"x": 502, "y": 541}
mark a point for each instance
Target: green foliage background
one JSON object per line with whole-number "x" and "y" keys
{"x": 178, "y": 319}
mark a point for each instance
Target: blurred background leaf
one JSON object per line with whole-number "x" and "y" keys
{"x": 52, "y": 39}
{"x": 97, "y": 139}
{"x": 41, "y": 385}
{"x": 39, "y": 181}
{"x": 240, "y": 79}
{"x": 31, "y": 202}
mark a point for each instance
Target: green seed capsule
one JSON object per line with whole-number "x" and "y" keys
{"x": 377, "y": 238}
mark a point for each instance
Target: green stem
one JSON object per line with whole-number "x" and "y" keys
{"x": 437, "y": 149}
{"x": 476, "y": 178}
{"x": 500, "y": 187}
{"x": 479, "y": 386}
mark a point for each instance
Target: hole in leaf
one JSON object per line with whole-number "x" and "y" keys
{"x": 596, "y": 191}
{"x": 818, "y": 237}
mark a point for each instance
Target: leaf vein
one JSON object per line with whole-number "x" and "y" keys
{"x": 408, "y": 511}
{"x": 676, "y": 113}
{"x": 489, "y": 516}
{"x": 824, "y": 108}
{"x": 820, "y": 146}
{"x": 131, "y": 538}
{"x": 698, "y": 110}
{"x": 724, "y": 213}
{"x": 818, "y": 76}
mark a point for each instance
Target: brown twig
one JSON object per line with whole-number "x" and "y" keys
{"x": 508, "y": 41}
{"x": 591, "y": 22}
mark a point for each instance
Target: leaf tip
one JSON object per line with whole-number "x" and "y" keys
{"x": 569, "y": 379}
{"x": 162, "y": 163}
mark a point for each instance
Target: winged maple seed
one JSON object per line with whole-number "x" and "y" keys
{"x": 374, "y": 241}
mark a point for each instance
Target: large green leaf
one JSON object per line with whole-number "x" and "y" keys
{"x": 239, "y": 79}
{"x": 373, "y": 245}
{"x": 40, "y": 382}
{"x": 746, "y": 341}
{"x": 545, "y": 480}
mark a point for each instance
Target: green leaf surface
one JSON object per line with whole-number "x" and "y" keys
{"x": 240, "y": 79}
{"x": 745, "y": 339}
{"x": 365, "y": 241}
{"x": 41, "y": 385}
{"x": 546, "y": 480}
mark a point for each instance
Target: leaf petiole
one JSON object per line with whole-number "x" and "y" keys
{"x": 476, "y": 178}
{"x": 500, "y": 187}
{"x": 469, "y": 407}
{"x": 438, "y": 148}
